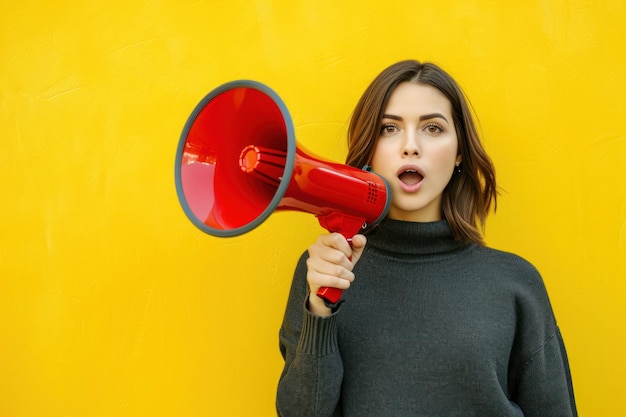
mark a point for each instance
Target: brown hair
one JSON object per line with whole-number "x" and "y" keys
{"x": 468, "y": 197}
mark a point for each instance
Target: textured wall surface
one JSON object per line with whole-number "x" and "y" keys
{"x": 113, "y": 304}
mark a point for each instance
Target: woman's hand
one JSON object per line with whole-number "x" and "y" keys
{"x": 330, "y": 263}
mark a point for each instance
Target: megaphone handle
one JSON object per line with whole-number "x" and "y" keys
{"x": 347, "y": 225}
{"x": 329, "y": 294}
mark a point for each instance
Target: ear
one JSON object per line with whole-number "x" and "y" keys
{"x": 459, "y": 159}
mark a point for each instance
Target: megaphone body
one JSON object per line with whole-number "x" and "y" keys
{"x": 238, "y": 161}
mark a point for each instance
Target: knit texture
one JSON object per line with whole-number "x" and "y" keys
{"x": 429, "y": 327}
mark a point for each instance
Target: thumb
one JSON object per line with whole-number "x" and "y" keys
{"x": 358, "y": 244}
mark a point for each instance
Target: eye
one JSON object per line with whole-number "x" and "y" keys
{"x": 388, "y": 129}
{"x": 434, "y": 128}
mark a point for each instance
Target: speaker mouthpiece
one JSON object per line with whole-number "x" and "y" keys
{"x": 264, "y": 164}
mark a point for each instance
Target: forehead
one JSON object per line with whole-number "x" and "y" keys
{"x": 417, "y": 98}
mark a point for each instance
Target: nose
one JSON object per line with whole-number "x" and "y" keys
{"x": 410, "y": 145}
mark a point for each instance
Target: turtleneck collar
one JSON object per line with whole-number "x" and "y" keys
{"x": 413, "y": 238}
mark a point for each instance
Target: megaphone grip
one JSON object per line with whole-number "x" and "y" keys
{"x": 342, "y": 222}
{"x": 329, "y": 294}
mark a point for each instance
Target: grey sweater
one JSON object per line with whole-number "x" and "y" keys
{"x": 430, "y": 327}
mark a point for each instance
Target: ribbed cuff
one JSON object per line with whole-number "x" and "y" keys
{"x": 319, "y": 335}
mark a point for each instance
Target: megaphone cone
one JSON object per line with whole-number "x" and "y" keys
{"x": 237, "y": 162}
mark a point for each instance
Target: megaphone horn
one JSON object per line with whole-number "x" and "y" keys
{"x": 237, "y": 162}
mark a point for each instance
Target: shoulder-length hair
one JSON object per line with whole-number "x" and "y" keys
{"x": 468, "y": 197}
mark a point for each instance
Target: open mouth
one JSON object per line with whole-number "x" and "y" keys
{"x": 410, "y": 176}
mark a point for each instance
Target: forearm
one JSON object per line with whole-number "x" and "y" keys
{"x": 311, "y": 381}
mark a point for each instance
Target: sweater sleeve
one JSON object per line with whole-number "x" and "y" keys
{"x": 545, "y": 386}
{"x": 310, "y": 383}
{"x": 541, "y": 380}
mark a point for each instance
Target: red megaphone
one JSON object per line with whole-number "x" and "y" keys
{"x": 237, "y": 162}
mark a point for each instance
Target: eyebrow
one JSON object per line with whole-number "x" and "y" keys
{"x": 422, "y": 118}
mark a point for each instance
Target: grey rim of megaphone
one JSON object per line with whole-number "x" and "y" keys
{"x": 289, "y": 163}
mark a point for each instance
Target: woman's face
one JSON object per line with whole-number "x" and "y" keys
{"x": 417, "y": 151}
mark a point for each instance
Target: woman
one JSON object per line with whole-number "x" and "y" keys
{"x": 432, "y": 322}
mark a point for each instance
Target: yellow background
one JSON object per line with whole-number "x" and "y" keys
{"x": 113, "y": 304}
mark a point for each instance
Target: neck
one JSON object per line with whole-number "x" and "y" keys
{"x": 413, "y": 238}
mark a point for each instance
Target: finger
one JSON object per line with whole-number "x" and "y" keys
{"x": 332, "y": 248}
{"x": 318, "y": 280}
{"x": 337, "y": 241}
{"x": 358, "y": 245}
{"x": 358, "y": 241}
{"x": 323, "y": 267}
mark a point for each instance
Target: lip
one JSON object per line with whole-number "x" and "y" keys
{"x": 410, "y": 188}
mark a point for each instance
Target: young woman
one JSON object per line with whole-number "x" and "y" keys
{"x": 432, "y": 322}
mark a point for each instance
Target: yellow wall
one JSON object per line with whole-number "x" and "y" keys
{"x": 113, "y": 304}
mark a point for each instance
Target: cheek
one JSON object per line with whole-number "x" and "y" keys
{"x": 449, "y": 152}
{"x": 378, "y": 158}
{"x": 450, "y": 157}
{"x": 445, "y": 158}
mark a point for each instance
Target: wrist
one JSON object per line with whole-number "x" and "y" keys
{"x": 317, "y": 306}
